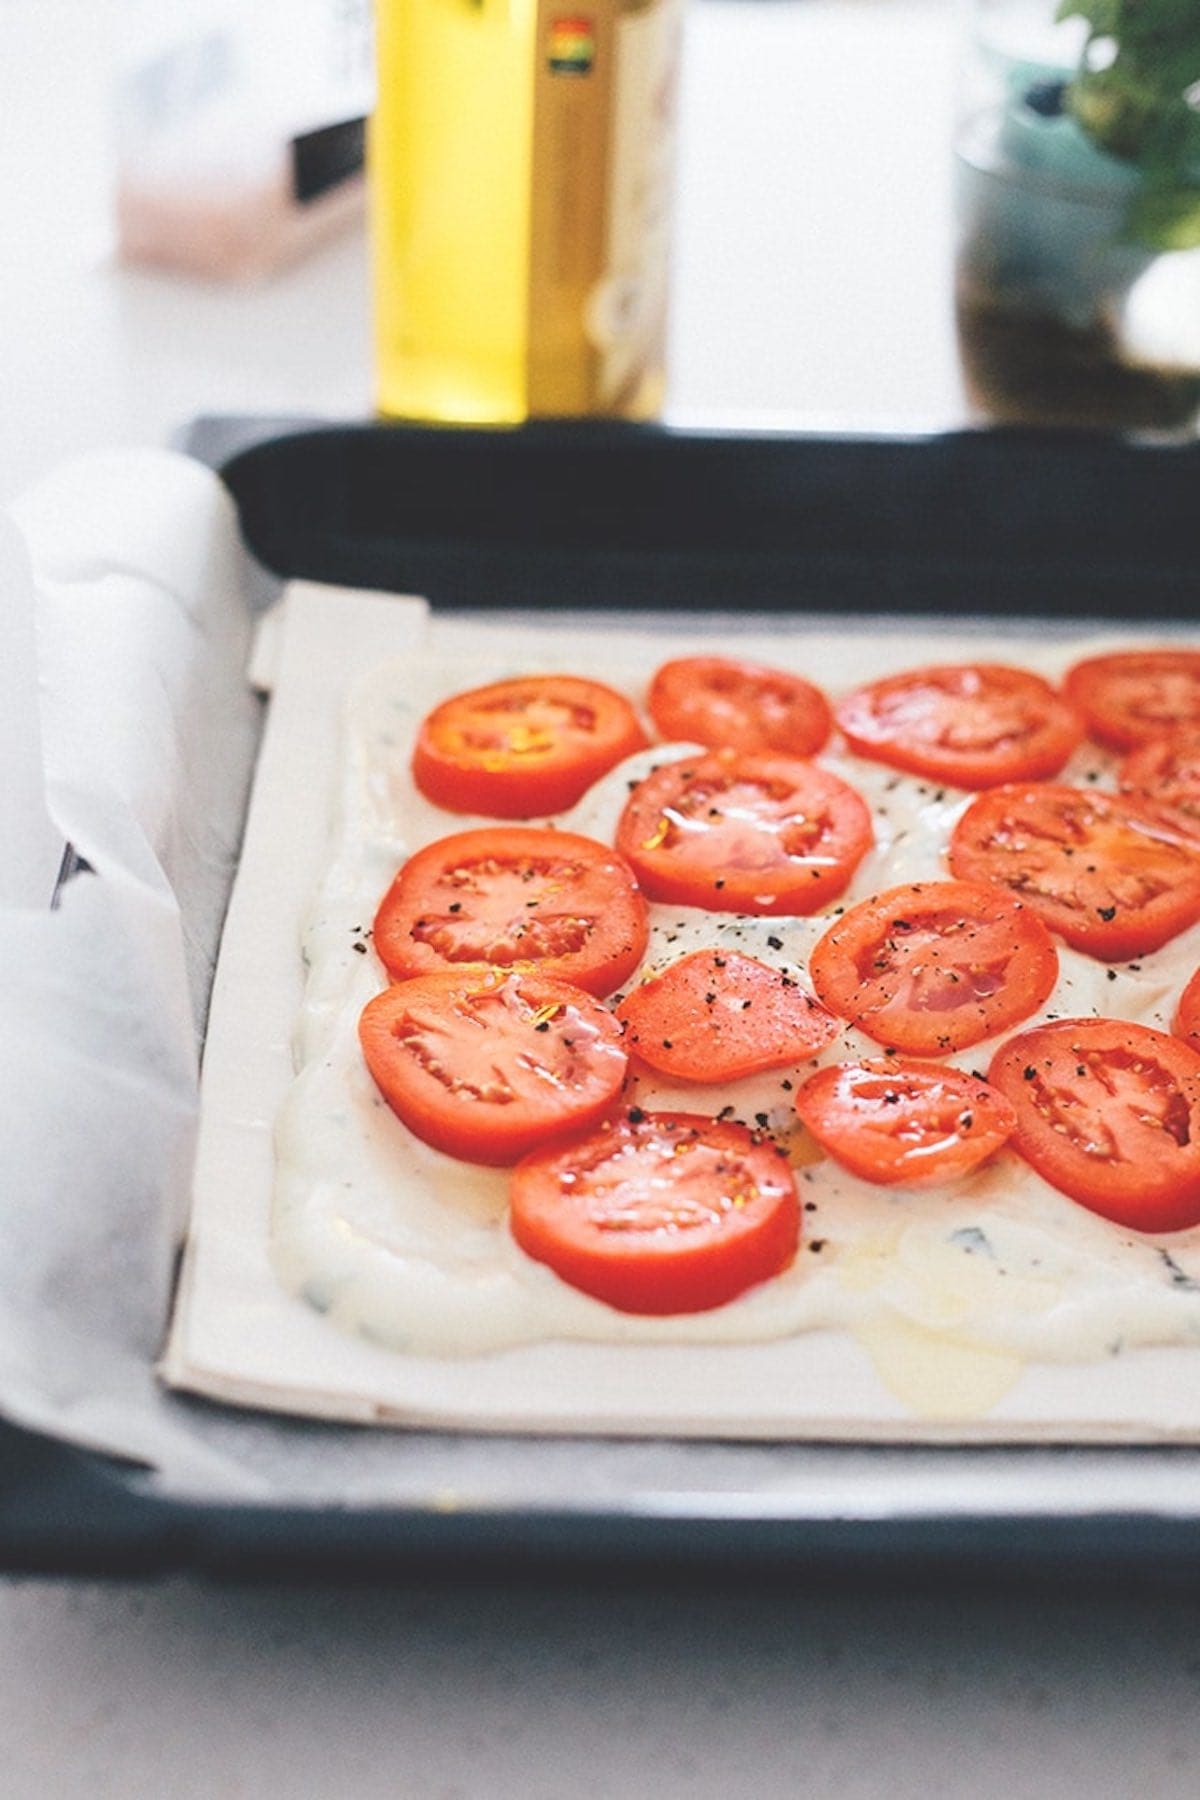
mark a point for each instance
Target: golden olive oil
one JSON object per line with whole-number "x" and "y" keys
{"x": 520, "y": 159}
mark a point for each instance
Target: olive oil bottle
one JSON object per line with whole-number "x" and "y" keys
{"x": 520, "y": 161}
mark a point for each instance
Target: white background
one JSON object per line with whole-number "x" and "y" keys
{"x": 812, "y": 278}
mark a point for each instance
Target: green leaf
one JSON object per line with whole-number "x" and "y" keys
{"x": 1165, "y": 218}
{"x": 1101, "y": 15}
{"x": 1169, "y": 20}
{"x": 1116, "y": 112}
{"x": 1143, "y": 21}
{"x": 1169, "y": 69}
{"x": 1134, "y": 105}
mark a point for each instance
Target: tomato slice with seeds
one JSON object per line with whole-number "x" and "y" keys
{"x": 935, "y": 966}
{"x": 518, "y": 898}
{"x": 971, "y": 724}
{"x": 523, "y": 748}
{"x": 1130, "y": 696}
{"x": 1186, "y": 1023}
{"x": 1104, "y": 875}
{"x": 1163, "y": 778}
{"x": 1108, "y": 1112}
{"x": 488, "y": 1066}
{"x": 659, "y": 1213}
{"x": 725, "y": 703}
{"x": 904, "y": 1123}
{"x": 717, "y": 1015}
{"x": 748, "y": 833}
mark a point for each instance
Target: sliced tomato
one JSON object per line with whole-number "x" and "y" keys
{"x": 1106, "y": 877}
{"x": 1130, "y": 696}
{"x": 523, "y": 748}
{"x": 935, "y": 966}
{"x": 972, "y": 724}
{"x": 744, "y": 833}
{"x": 515, "y": 898}
{"x": 728, "y": 704}
{"x": 717, "y": 1015}
{"x": 1186, "y": 1023}
{"x": 488, "y": 1066}
{"x": 659, "y": 1212}
{"x": 901, "y": 1123}
{"x": 1163, "y": 777}
{"x": 1108, "y": 1113}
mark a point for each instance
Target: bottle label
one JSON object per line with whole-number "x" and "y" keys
{"x": 603, "y": 131}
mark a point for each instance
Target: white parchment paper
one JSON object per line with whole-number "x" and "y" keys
{"x": 135, "y": 584}
{"x": 131, "y": 565}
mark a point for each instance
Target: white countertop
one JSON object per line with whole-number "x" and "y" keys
{"x": 813, "y": 245}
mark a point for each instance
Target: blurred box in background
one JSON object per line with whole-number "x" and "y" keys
{"x": 239, "y": 130}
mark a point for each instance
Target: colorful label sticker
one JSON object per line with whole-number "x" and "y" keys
{"x": 571, "y": 46}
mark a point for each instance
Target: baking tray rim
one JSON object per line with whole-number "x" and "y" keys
{"x": 79, "y": 1512}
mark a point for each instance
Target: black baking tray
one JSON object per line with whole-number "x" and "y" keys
{"x": 964, "y": 524}
{"x": 1056, "y": 525}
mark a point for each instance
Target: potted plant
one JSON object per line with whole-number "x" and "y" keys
{"x": 1078, "y": 285}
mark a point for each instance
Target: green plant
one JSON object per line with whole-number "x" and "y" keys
{"x": 1137, "y": 95}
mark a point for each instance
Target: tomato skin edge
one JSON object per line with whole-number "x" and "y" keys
{"x": 1084, "y": 687}
{"x": 1112, "y": 935}
{"x": 475, "y": 792}
{"x": 641, "y": 1279}
{"x": 1160, "y": 1203}
{"x": 638, "y": 1288}
{"x": 1162, "y": 776}
{"x": 499, "y": 786}
{"x": 836, "y": 957}
{"x": 400, "y": 908}
{"x": 672, "y": 999}
{"x": 691, "y": 878}
{"x": 477, "y": 1130}
{"x": 1185, "y": 1023}
{"x": 677, "y": 705}
{"x": 820, "y": 1102}
{"x": 1059, "y": 733}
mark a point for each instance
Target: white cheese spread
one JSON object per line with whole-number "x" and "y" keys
{"x": 950, "y": 1289}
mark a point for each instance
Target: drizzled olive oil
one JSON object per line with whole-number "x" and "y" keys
{"x": 520, "y": 159}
